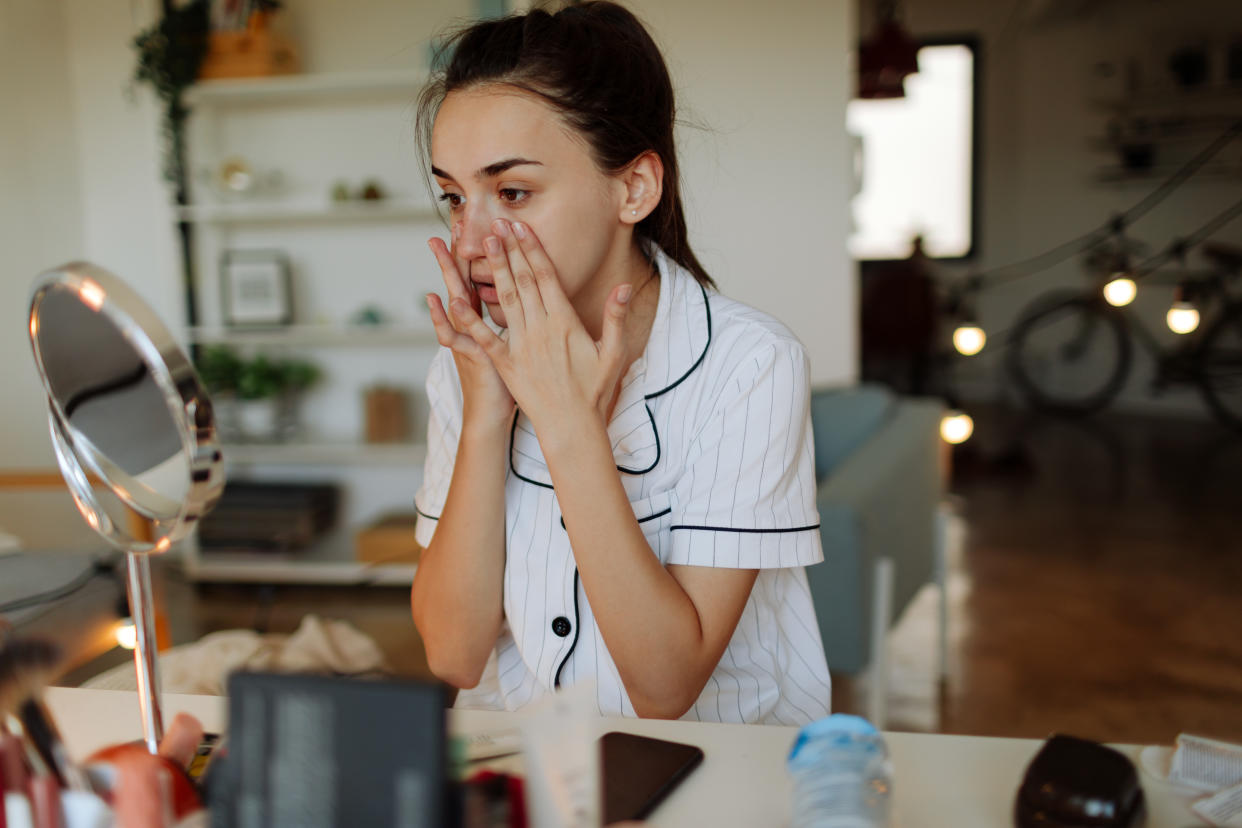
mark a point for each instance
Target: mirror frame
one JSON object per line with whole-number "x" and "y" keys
{"x": 183, "y": 393}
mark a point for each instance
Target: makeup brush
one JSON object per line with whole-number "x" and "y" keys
{"x": 25, "y": 667}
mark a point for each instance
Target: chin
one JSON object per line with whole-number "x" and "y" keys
{"x": 497, "y": 315}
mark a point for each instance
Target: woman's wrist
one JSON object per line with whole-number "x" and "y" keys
{"x": 570, "y": 433}
{"x": 486, "y": 424}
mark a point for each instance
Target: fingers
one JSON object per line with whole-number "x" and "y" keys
{"x": 506, "y": 291}
{"x": 612, "y": 335}
{"x": 181, "y": 739}
{"x": 474, "y": 326}
{"x": 453, "y": 280}
{"x": 551, "y": 294}
{"x": 521, "y": 271}
{"x": 142, "y": 796}
{"x": 446, "y": 334}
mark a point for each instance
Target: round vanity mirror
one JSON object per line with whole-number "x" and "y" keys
{"x": 132, "y": 428}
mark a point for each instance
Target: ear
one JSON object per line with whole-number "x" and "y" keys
{"x": 643, "y": 181}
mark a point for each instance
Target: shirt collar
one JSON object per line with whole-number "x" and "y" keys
{"x": 675, "y": 347}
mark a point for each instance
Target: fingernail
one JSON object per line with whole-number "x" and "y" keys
{"x": 519, "y": 230}
{"x": 623, "y": 295}
{"x": 501, "y": 227}
{"x": 492, "y": 244}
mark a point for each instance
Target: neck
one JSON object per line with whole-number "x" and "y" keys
{"x": 628, "y": 266}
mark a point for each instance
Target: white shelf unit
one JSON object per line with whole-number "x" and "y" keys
{"x": 1175, "y": 123}
{"x": 325, "y": 563}
{"x": 312, "y": 211}
{"x": 325, "y": 453}
{"x": 320, "y": 88}
{"x": 308, "y": 133}
{"x": 366, "y": 336}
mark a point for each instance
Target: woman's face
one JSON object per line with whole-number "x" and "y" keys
{"x": 498, "y": 152}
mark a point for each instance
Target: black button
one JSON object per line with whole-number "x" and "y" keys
{"x": 560, "y": 626}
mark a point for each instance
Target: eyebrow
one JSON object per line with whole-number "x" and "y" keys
{"x": 491, "y": 170}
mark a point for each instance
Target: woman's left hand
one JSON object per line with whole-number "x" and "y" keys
{"x": 551, "y": 364}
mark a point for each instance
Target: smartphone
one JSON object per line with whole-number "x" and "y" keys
{"x": 639, "y": 772}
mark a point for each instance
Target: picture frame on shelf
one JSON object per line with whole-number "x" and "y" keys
{"x": 256, "y": 288}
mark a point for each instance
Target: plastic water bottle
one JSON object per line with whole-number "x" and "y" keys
{"x": 841, "y": 773}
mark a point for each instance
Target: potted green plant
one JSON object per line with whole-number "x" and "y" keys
{"x": 256, "y": 398}
{"x": 170, "y": 53}
{"x": 269, "y": 393}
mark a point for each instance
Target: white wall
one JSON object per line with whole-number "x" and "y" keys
{"x": 40, "y": 209}
{"x": 1038, "y": 168}
{"x": 766, "y": 178}
{"x": 127, "y": 223}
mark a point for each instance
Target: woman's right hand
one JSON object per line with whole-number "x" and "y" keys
{"x": 485, "y": 398}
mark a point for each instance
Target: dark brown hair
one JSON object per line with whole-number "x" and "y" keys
{"x": 596, "y": 66}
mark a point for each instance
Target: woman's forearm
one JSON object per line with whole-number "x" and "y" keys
{"x": 650, "y": 624}
{"x": 457, "y": 597}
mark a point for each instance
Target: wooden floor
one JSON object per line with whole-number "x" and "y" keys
{"x": 1096, "y": 589}
{"x": 1096, "y": 586}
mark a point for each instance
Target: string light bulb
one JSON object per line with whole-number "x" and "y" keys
{"x": 1120, "y": 291}
{"x": 956, "y": 426}
{"x": 1183, "y": 318}
{"x": 969, "y": 338}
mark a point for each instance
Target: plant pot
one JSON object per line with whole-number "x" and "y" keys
{"x": 259, "y": 419}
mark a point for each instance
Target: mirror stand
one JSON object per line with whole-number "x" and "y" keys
{"x": 146, "y": 651}
{"x": 127, "y": 409}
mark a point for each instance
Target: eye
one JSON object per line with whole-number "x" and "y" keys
{"x": 453, "y": 200}
{"x": 512, "y": 195}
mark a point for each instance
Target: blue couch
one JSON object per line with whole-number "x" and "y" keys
{"x": 878, "y": 460}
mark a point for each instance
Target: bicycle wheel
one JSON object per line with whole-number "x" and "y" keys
{"x": 1069, "y": 354}
{"x": 1220, "y": 367}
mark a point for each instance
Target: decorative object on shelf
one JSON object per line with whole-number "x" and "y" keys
{"x": 388, "y": 540}
{"x": 253, "y": 51}
{"x": 340, "y": 191}
{"x": 270, "y": 516}
{"x": 170, "y": 54}
{"x": 387, "y": 414}
{"x": 256, "y": 399}
{"x": 257, "y": 288}
{"x": 372, "y": 191}
{"x": 234, "y": 178}
{"x": 369, "y": 316}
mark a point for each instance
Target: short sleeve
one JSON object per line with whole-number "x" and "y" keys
{"x": 443, "y": 435}
{"x": 747, "y": 496}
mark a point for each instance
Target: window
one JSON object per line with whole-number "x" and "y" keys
{"x": 915, "y": 159}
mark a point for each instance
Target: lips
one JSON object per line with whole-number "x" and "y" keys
{"x": 486, "y": 292}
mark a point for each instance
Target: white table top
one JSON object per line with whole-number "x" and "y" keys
{"x": 950, "y": 781}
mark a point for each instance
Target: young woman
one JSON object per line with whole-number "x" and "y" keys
{"x": 619, "y": 485}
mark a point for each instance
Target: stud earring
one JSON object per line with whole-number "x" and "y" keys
{"x": 633, "y": 212}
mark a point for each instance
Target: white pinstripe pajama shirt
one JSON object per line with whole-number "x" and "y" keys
{"x": 712, "y": 439}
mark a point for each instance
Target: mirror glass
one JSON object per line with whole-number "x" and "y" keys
{"x": 126, "y": 410}
{"x": 115, "y": 413}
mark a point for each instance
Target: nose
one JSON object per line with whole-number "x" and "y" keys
{"x": 473, "y": 227}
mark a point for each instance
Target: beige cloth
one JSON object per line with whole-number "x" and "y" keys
{"x": 203, "y": 667}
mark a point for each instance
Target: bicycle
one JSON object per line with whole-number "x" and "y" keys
{"x": 1071, "y": 352}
